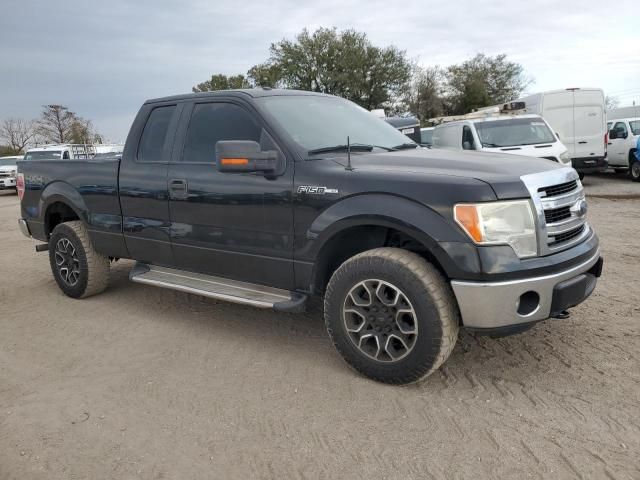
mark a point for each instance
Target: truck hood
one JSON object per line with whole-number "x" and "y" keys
{"x": 501, "y": 171}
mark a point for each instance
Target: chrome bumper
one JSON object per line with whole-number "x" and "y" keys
{"x": 487, "y": 305}
{"x": 24, "y": 228}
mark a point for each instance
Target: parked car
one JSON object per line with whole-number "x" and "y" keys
{"x": 426, "y": 136}
{"x": 257, "y": 197}
{"x": 8, "y": 172}
{"x": 70, "y": 151}
{"x": 623, "y": 140}
{"x": 410, "y": 126}
{"x": 577, "y": 115}
{"x": 519, "y": 135}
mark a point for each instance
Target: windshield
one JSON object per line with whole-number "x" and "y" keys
{"x": 316, "y": 122}
{"x": 635, "y": 127}
{"x": 426, "y": 136}
{"x": 514, "y": 131}
{"x": 7, "y": 162}
{"x": 43, "y": 155}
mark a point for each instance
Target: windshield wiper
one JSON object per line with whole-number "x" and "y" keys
{"x": 492, "y": 145}
{"x": 355, "y": 147}
{"x": 405, "y": 146}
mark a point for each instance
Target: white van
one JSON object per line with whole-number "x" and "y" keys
{"x": 577, "y": 115}
{"x": 70, "y": 151}
{"x": 520, "y": 135}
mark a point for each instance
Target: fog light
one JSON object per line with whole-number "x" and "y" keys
{"x": 528, "y": 303}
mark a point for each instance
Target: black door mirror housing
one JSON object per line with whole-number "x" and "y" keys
{"x": 466, "y": 145}
{"x": 237, "y": 156}
{"x": 613, "y": 134}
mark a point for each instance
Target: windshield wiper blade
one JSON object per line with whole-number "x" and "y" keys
{"x": 405, "y": 146}
{"x": 492, "y": 145}
{"x": 355, "y": 147}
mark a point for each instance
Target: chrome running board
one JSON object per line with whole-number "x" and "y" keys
{"x": 218, "y": 288}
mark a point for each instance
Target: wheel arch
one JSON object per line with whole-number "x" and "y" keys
{"x": 371, "y": 221}
{"x": 60, "y": 202}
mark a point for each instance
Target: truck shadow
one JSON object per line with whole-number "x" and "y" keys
{"x": 477, "y": 364}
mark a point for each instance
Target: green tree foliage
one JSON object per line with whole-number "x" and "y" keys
{"x": 426, "y": 97}
{"x": 347, "y": 64}
{"x": 222, "y": 82}
{"x": 343, "y": 63}
{"x": 483, "y": 81}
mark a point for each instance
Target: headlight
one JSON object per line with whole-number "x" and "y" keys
{"x": 500, "y": 223}
{"x": 13, "y": 172}
{"x": 565, "y": 158}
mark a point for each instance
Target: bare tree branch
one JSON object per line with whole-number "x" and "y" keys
{"x": 17, "y": 133}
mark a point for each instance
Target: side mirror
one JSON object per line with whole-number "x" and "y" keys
{"x": 466, "y": 145}
{"x": 244, "y": 156}
{"x": 613, "y": 134}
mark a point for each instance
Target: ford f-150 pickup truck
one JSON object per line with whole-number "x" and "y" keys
{"x": 267, "y": 197}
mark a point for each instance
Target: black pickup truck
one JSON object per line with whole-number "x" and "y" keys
{"x": 266, "y": 197}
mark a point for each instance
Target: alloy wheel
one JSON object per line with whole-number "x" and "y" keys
{"x": 380, "y": 320}
{"x": 67, "y": 262}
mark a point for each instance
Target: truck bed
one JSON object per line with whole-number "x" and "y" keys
{"x": 92, "y": 184}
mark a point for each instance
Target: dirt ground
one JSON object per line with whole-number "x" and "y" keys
{"x": 141, "y": 382}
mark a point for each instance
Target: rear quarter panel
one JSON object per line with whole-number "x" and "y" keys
{"x": 88, "y": 187}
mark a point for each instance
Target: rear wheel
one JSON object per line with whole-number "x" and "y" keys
{"x": 78, "y": 269}
{"x": 391, "y": 315}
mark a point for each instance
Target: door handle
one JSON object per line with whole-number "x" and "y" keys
{"x": 178, "y": 188}
{"x": 609, "y": 143}
{"x": 582, "y": 143}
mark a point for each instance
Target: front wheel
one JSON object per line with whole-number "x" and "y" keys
{"x": 634, "y": 171}
{"x": 78, "y": 269}
{"x": 391, "y": 315}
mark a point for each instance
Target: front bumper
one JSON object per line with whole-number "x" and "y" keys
{"x": 7, "y": 183}
{"x": 24, "y": 227}
{"x": 494, "y": 305}
{"x": 590, "y": 164}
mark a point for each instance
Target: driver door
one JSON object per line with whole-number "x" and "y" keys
{"x": 233, "y": 225}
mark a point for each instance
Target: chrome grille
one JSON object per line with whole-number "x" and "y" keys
{"x": 555, "y": 190}
{"x": 560, "y": 206}
{"x": 556, "y": 214}
{"x": 566, "y": 236}
{"x": 5, "y": 175}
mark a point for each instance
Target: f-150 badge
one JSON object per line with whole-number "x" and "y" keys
{"x": 316, "y": 190}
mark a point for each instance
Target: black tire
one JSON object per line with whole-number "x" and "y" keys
{"x": 634, "y": 168}
{"x": 428, "y": 295}
{"x": 87, "y": 271}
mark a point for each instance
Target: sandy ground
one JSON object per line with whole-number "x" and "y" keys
{"x": 146, "y": 383}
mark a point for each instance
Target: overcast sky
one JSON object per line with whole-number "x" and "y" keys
{"x": 102, "y": 59}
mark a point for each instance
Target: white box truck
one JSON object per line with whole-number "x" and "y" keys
{"x": 577, "y": 115}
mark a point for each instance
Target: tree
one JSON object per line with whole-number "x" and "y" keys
{"x": 425, "y": 98}
{"x": 222, "y": 82}
{"x": 611, "y": 102}
{"x": 343, "y": 63}
{"x": 58, "y": 124}
{"x": 17, "y": 133}
{"x": 483, "y": 81}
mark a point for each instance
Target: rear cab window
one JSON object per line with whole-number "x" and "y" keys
{"x": 154, "y": 135}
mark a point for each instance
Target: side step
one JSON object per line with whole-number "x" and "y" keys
{"x": 219, "y": 288}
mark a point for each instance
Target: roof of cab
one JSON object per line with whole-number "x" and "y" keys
{"x": 249, "y": 92}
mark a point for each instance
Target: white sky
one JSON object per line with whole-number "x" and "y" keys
{"x": 104, "y": 58}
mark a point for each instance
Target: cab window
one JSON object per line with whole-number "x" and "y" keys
{"x": 467, "y": 138}
{"x": 621, "y": 129}
{"x": 154, "y": 134}
{"x": 212, "y": 122}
